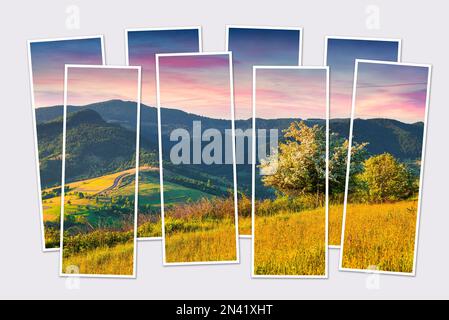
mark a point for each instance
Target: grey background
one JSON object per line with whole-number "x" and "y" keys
{"x": 26, "y": 272}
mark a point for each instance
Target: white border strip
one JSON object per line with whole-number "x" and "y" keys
{"x": 421, "y": 178}
{"x": 78, "y": 275}
{"x": 200, "y": 48}
{"x": 326, "y": 41}
{"x": 253, "y": 197}
{"x": 34, "y": 122}
{"x": 231, "y": 85}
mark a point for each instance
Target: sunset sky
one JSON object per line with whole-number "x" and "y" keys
{"x": 291, "y": 93}
{"x": 48, "y": 59}
{"x": 341, "y": 55}
{"x": 278, "y": 47}
{"x": 89, "y": 85}
{"x": 143, "y": 45}
{"x": 198, "y": 84}
{"x": 391, "y": 91}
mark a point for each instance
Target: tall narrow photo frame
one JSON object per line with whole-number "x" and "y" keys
{"x": 290, "y": 190}
{"x": 142, "y": 45}
{"x": 100, "y": 171}
{"x": 385, "y": 167}
{"x": 340, "y": 54}
{"x": 46, "y": 58}
{"x": 197, "y": 169}
{"x": 250, "y": 46}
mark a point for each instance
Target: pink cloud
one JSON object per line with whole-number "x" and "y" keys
{"x": 291, "y": 93}
{"x": 194, "y": 62}
{"x": 391, "y": 103}
{"x": 198, "y": 84}
{"x": 89, "y": 85}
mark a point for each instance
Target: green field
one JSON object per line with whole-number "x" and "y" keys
{"x": 97, "y": 191}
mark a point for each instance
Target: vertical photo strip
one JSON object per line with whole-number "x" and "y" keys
{"x": 47, "y": 58}
{"x": 100, "y": 171}
{"x": 250, "y": 46}
{"x": 142, "y": 45}
{"x": 385, "y": 167}
{"x": 340, "y": 56}
{"x": 197, "y": 158}
{"x": 289, "y": 220}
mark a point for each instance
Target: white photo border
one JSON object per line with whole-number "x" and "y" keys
{"x": 326, "y": 42}
{"x": 34, "y": 121}
{"x": 265, "y": 27}
{"x": 253, "y": 196}
{"x": 161, "y": 174}
{"x": 136, "y": 198}
{"x": 200, "y": 48}
{"x": 421, "y": 174}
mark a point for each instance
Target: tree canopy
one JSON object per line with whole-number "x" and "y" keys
{"x": 385, "y": 179}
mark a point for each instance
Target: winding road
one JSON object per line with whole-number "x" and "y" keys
{"x": 120, "y": 178}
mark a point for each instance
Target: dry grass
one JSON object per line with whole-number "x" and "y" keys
{"x": 117, "y": 260}
{"x": 290, "y": 243}
{"x": 245, "y": 226}
{"x": 149, "y": 226}
{"x": 244, "y": 210}
{"x": 216, "y": 243}
{"x": 380, "y": 236}
{"x": 201, "y": 232}
{"x": 335, "y": 223}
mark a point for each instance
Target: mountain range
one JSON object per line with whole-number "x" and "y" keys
{"x": 110, "y": 125}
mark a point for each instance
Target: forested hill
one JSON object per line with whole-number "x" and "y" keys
{"x": 116, "y": 120}
{"x": 93, "y": 147}
{"x": 402, "y": 140}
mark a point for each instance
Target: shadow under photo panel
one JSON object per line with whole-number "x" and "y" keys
{"x": 250, "y": 46}
{"x": 142, "y": 47}
{"x": 289, "y": 172}
{"x": 195, "y": 104}
{"x": 385, "y": 171}
{"x": 47, "y": 58}
{"x": 100, "y": 161}
{"x": 340, "y": 56}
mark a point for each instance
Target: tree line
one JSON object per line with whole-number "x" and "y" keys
{"x": 300, "y": 163}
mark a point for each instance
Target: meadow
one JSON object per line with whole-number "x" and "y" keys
{"x": 93, "y": 191}
{"x": 290, "y": 214}
{"x": 100, "y": 252}
{"x": 149, "y": 219}
{"x": 98, "y": 233}
{"x": 335, "y": 223}
{"x": 90, "y": 189}
{"x": 289, "y": 242}
{"x": 99, "y": 225}
{"x": 245, "y": 219}
{"x": 380, "y": 236}
{"x": 203, "y": 231}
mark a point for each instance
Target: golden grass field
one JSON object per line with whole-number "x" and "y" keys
{"x": 380, "y": 236}
{"x": 213, "y": 243}
{"x": 245, "y": 226}
{"x": 116, "y": 260}
{"x": 335, "y": 223}
{"x": 201, "y": 232}
{"x": 290, "y": 243}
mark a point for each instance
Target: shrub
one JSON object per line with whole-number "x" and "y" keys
{"x": 385, "y": 179}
